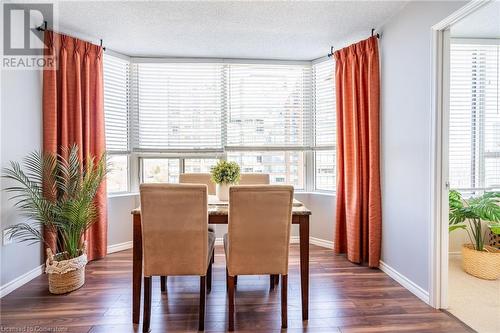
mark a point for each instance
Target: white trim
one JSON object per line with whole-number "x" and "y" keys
{"x": 21, "y": 280}
{"x": 454, "y": 253}
{"x": 138, "y": 60}
{"x": 405, "y": 282}
{"x": 120, "y": 247}
{"x": 438, "y": 274}
{"x": 321, "y": 242}
{"x": 295, "y": 240}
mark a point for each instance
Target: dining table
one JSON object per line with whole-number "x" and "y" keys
{"x": 218, "y": 214}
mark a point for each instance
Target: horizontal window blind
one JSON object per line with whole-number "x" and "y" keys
{"x": 324, "y": 104}
{"x": 268, "y": 105}
{"x": 116, "y": 92}
{"x": 177, "y": 106}
{"x": 474, "y": 131}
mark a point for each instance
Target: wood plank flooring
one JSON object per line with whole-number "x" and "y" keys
{"x": 343, "y": 298}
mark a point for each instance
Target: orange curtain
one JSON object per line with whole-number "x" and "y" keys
{"x": 359, "y": 216}
{"x": 73, "y": 113}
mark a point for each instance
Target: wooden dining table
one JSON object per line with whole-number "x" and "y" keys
{"x": 218, "y": 214}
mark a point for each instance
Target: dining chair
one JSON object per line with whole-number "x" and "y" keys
{"x": 254, "y": 179}
{"x": 257, "y": 179}
{"x": 258, "y": 238}
{"x": 175, "y": 238}
{"x": 198, "y": 178}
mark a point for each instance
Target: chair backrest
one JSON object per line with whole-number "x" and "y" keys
{"x": 254, "y": 179}
{"x": 174, "y": 229}
{"x": 260, "y": 218}
{"x": 198, "y": 178}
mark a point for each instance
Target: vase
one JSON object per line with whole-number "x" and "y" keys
{"x": 65, "y": 275}
{"x": 482, "y": 264}
{"x": 222, "y": 192}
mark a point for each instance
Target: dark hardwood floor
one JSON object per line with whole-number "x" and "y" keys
{"x": 343, "y": 298}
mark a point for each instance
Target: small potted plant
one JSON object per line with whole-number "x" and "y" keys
{"x": 57, "y": 193}
{"x": 224, "y": 174}
{"x": 476, "y": 216}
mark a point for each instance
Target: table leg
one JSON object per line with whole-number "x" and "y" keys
{"x": 304, "y": 265}
{"x": 137, "y": 270}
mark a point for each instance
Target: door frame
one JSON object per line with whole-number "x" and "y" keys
{"x": 438, "y": 286}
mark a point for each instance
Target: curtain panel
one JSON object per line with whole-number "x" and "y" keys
{"x": 358, "y": 211}
{"x": 73, "y": 113}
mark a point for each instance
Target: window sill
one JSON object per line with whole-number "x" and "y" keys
{"x": 122, "y": 194}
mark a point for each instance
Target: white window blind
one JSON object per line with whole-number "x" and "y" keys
{"x": 324, "y": 104}
{"x": 268, "y": 105}
{"x": 178, "y": 106}
{"x": 116, "y": 116}
{"x": 474, "y": 131}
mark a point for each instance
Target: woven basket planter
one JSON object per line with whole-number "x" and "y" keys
{"x": 481, "y": 264}
{"x": 65, "y": 275}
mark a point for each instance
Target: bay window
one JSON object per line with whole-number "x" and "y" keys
{"x": 183, "y": 116}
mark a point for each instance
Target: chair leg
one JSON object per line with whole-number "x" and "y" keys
{"x": 209, "y": 277}
{"x": 231, "y": 302}
{"x": 276, "y": 279}
{"x": 227, "y": 280}
{"x": 147, "y": 304}
{"x": 271, "y": 282}
{"x": 213, "y": 256}
{"x": 201, "y": 318}
{"x": 163, "y": 283}
{"x": 284, "y": 299}
{"x": 235, "y": 280}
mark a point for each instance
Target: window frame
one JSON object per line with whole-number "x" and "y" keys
{"x": 135, "y": 158}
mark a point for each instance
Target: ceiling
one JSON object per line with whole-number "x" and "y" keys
{"x": 483, "y": 23}
{"x": 299, "y": 30}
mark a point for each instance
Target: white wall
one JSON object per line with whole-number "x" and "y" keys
{"x": 405, "y": 137}
{"x": 21, "y": 133}
{"x": 120, "y": 219}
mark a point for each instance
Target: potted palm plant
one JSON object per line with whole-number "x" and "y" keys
{"x": 476, "y": 216}
{"x": 225, "y": 174}
{"x": 57, "y": 193}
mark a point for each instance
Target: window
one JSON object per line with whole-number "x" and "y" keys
{"x": 160, "y": 170}
{"x": 117, "y": 178}
{"x": 197, "y": 165}
{"x": 324, "y": 125}
{"x": 268, "y": 105}
{"x": 474, "y": 130}
{"x": 179, "y": 106}
{"x": 286, "y": 167}
{"x": 170, "y": 117}
{"x": 116, "y": 108}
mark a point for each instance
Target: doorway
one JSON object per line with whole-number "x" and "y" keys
{"x": 467, "y": 155}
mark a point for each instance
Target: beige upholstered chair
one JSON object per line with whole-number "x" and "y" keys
{"x": 258, "y": 236}
{"x": 198, "y": 178}
{"x": 175, "y": 237}
{"x": 254, "y": 179}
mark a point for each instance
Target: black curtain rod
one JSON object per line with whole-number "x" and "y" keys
{"x": 332, "y": 50}
{"x": 43, "y": 27}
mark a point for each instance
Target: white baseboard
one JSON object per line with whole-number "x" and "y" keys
{"x": 405, "y": 282}
{"x": 21, "y": 280}
{"x": 321, "y": 242}
{"x": 454, "y": 253}
{"x": 120, "y": 247}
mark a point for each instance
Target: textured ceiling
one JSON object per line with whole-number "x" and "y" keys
{"x": 300, "y": 30}
{"x": 483, "y": 23}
